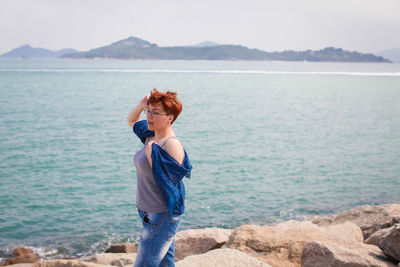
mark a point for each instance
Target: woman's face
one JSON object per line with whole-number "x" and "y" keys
{"x": 157, "y": 117}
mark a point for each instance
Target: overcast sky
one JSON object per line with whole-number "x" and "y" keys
{"x": 270, "y": 25}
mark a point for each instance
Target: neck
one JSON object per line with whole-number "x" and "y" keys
{"x": 163, "y": 133}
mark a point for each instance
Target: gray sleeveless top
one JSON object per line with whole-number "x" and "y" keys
{"x": 148, "y": 196}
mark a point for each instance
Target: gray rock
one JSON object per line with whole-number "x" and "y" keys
{"x": 317, "y": 254}
{"x": 369, "y": 218}
{"x": 374, "y": 238}
{"x": 390, "y": 243}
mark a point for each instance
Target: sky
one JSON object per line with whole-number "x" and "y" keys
{"x": 366, "y": 26}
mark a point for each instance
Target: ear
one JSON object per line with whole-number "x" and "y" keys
{"x": 171, "y": 118}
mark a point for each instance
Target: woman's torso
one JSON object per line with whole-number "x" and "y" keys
{"x": 148, "y": 195}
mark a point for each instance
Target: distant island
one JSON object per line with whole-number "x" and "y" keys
{"x": 135, "y": 48}
{"x": 26, "y": 51}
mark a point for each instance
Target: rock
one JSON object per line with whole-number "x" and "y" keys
{"x": 282, "y": 244}
{"x": 21, "y": 265}
{"x": 24, "y": 255}
{"x": 98, "y": 260}
{"x": 374, "y": 238}
{"x": 25, "y": 258}
{"x": 316, "y": 254}
{"x": 224, "y": 257}
{"x": 369, "y": 218}
{"x": 390, "y": 243}
{"x": 66, "y": 263}
{"x": 115, "y": 259}
{"x": 21, "y": 251}
{"x": 122, "y": 248}
{"x": 199, "y": 241}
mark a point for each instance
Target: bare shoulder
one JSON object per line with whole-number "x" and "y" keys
{"x": 175, "y": 149}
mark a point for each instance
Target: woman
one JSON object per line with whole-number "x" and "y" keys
{"x": 160, "y": 167}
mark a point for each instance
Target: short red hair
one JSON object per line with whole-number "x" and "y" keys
{"x": 168, "y": 100}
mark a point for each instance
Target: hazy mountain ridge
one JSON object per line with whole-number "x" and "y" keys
{"x": 26, "y": 51}
{"x": 331, "y": 54}
{"x": 136, "y": 48}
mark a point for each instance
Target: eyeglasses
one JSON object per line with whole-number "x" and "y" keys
{"x": 149, "y": 113}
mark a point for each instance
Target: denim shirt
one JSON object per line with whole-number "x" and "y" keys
{"x": 167, "y": 172}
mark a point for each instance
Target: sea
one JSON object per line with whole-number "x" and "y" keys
{"x": 268, "y": 141}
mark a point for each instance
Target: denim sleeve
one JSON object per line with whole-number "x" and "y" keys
{"x": 168, "y": 175}
{"x": 141, "y": 130}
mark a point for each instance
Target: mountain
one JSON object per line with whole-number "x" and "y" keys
{"x": 135, "y": 48}
{"x": 129, "y": 48}
{"x": 391, "y": 54}
{"x": 206, "y": 44}
{"x": 26, "y": 51}
{"x": 330, "y": 54}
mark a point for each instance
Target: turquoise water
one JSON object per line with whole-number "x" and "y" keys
{"x": 269, "y": 141}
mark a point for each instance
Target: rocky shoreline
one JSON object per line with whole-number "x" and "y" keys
{"x": 363, "y": 236}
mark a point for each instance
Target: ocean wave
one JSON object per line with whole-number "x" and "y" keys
{"x": 349, "y": 73}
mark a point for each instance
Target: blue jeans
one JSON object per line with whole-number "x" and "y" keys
{"x": 157, "y": 243}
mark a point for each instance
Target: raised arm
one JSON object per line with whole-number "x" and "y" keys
{"x": 134, "y": 115}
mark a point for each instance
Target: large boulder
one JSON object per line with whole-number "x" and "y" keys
{"x": 282, "y": 244}
{"x": 390, "y": 243}
{"x": 224, "y": 257}
{"x": 199, "y": 241}
{"x": 23, "y": 255}
{"x": 369, "y": 218}
{"x": 114, "y": 259}
{"x": 317, "y": 254}
{"x": 122, "y": 248}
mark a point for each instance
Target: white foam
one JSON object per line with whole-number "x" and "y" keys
{"x": 43, "y": 252}
{"x": 210, "y": 71}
